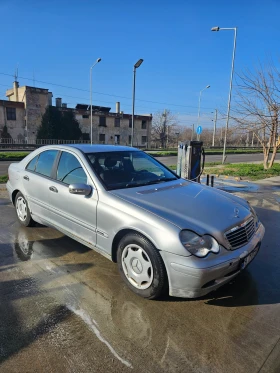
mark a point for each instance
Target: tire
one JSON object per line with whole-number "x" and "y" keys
{"x": 141, "y": 266}
{"x": 22, "y": 210}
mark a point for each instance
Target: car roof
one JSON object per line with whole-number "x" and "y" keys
{"x": 98, "y": 148}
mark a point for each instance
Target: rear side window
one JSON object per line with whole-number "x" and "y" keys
{"x": 70, "y": 171}
{"x": 32, "y": 164}
{"x": 45, "y": 162}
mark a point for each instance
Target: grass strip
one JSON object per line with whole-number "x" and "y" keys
{"x": 12, "y": 156}
{"x": 246, "y": 171}
{"x": 3, "y": 179}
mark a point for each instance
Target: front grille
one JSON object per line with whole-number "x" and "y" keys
{"x": 241, "y": 234}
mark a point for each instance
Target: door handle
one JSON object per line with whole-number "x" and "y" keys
{"x": 53, "y": 189}
{"x": 26, "y": 177}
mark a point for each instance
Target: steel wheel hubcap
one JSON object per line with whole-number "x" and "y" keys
{"x": 137, "y": 266}
{"x": 21, "y": 209}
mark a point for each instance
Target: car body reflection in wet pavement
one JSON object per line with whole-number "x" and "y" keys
{"x": 64, "y": 308}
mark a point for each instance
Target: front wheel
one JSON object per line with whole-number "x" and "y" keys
{"x": 141, "y": 266}
{"x": 23, "y": 212}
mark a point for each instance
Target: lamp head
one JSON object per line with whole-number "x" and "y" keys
{"x": 138, "y": 63}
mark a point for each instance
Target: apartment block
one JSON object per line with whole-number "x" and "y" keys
{"x": 108, "y": 127}
{"x": 12, "y": 115}
{"x": 35, "y": 101}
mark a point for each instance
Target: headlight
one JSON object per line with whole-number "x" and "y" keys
{"x": 199, "y": 245}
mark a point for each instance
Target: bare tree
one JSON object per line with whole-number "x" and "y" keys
{"x": 164, "y": 129}
{"x": 257, "y": 109}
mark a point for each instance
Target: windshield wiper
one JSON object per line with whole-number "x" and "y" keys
{"x": 167, "y": 178}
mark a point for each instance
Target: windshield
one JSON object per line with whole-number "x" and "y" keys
{"x": 128, "y": 169}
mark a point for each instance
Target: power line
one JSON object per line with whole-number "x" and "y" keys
{"x": 148, "y": 109}
{"x": 105, "y": 94}
{"x": 102, "y": 101}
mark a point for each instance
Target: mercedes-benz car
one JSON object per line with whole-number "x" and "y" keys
{"x": 165, "y": 233}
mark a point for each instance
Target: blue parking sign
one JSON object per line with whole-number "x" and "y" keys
{"x": 199, "y": 130}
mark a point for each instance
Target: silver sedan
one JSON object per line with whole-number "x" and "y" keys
{"x": 166, "y": 234}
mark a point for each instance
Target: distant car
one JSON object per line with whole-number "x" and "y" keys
{"x": 164, "y": 232}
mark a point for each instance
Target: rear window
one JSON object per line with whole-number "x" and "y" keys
{"x": 45, "y": 162}
{"x": 32, "y": 164}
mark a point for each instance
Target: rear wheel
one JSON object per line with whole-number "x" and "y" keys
{"x": 23, "y": 212}
{"x": 141, "y": 266}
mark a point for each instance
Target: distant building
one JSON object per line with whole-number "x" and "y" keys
{"x": 12, "y": 115}
{"x": 113, "y": 128}
{"x": 35, "y": 101}
{"x": 30, "y": 103}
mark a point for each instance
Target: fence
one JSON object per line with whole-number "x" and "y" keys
{"x": 42, "y": 141}
{"x": 34, "y": 143}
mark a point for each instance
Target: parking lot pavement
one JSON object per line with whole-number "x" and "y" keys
{"x": 64, "y": 308}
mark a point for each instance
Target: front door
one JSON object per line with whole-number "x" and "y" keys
{"x": 75, "y": 214}
{"x": 117, "y": 139}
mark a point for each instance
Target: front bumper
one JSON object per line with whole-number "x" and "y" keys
{"x": 189, "y": 278}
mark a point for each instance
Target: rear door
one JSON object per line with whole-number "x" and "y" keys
{"x": 36, "y": 180}
{"x": 73, "y": 213}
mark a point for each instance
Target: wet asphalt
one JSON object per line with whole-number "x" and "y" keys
{"x": 64, "y": 308}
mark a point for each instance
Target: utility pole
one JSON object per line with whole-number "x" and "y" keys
{"x": 165, "y": 130}
{"x": 247, "y": 139}
{"x": 192, "y": 131}
{"x": 214, "y": 130}
{"x": 96, "y": 62}
{"x": 230, "y": 83}
{"x": 138, "y": 63}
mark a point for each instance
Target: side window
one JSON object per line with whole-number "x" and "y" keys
{"x": 32, "y": 164}
{"x": 70, "y": 171}
{"x": 45, "y": 162}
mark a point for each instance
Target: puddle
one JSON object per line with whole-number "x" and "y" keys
{"x": 232, "y": 186}
{"x": 241, "y": 188}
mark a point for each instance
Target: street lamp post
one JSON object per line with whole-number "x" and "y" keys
{"x": 138, "y": 63}
{"x": 214, "y": 129}
{"x": 96, "y": 62}
{"x": 230, "y": 84}
{"x": 199, "y": 101}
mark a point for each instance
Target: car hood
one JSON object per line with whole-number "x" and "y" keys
{"x": 189, "y": 205}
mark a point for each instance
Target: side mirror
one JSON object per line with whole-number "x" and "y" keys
{"x": 81, "y": 189}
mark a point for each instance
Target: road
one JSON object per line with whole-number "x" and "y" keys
{"x": 168, "y": 161}
{"x": 4, "y": 167}
{"x": 231, "y": 158}
{"x": 64, "y": 308}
